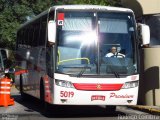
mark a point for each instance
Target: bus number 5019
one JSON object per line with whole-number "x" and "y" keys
{"x": 66, "y": 94}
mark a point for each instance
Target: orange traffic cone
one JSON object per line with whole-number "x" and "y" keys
{"x": 5, "y": 90}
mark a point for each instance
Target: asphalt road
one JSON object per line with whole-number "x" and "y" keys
{"x": 31, "y": 109}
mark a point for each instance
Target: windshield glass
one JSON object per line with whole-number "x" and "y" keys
{"x": 85, "y": 41}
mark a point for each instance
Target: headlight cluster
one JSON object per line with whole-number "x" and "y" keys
{"x": 64, "y": 83}
{"x": 130, "y": 84}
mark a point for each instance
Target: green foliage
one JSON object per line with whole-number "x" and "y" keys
{"x": 15, "y": 12}
{"x": 92, "y": 2}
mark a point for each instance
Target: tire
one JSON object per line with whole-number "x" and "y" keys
{"x": 23, "y": 95}
{"x": 110, "y": 109}
{"x": 42, "y": 94}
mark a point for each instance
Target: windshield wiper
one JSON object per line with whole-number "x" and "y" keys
{"x": 116, "y": 74}
{"x": 82, "y": 71}
{"x": 84, "y": 68}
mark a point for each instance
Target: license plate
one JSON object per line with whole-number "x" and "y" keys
{"x": 97, "y": 97}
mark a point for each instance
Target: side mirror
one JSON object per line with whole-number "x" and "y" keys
{"x": 51, "y": 31}
{"x": 144, "y": 33}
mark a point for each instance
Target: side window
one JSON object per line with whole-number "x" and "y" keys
{"x": 42, "y": 60}
{"x": 20, "y": 37}
{"x": 43, "y": 27}
{"x": 30, "y": 35}
{"x": 36, "y": 33}
{"x": 23, "y": 37}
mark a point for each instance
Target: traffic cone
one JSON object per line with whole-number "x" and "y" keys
{"x": 5, "y": 90}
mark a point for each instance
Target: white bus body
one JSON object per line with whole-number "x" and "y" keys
{"x": 69, "y": 69}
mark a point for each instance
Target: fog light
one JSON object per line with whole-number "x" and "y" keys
{"x": 63, "y": 100}
{"x": 129, "y": 101}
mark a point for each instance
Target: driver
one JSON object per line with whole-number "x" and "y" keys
{"x": 114, "y": 53}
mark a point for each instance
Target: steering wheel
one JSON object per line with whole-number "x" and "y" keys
{"x": 116, "y": 55}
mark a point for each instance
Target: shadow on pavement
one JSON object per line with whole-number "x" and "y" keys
{"x": 33, "y": 107}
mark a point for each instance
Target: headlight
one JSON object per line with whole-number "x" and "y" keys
{"x": 130, "y": 85}
{"x": 64, "y": 83}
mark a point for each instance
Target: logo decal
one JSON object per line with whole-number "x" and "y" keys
{"x": 98, "y": 86}
{"x": 114, "y": 95}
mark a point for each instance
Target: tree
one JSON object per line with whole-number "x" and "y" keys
{"x": 16, "y": 12}
{"x": 94, "y": 2}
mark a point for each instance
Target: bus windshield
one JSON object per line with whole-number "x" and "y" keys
{"x": 85, "y": 41}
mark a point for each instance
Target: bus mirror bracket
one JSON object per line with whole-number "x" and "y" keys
{"x": 51, "y": 31}
{"x": 144, "y": 33}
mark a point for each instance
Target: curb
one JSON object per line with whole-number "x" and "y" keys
{"x": 148, "y": 109}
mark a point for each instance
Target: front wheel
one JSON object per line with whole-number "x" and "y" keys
{"x": 23, "y": 95}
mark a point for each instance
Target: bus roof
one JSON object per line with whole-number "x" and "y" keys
{"x": 96, "y": 7}
{"x": 77, "y": 7}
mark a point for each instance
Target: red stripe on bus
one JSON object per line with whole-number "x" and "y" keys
{"x": 21, "y": 72}
{"x": 97, "y": 87}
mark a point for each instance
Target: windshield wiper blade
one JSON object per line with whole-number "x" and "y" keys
{"x": 116, "y": 74}
{"x": 82, "y": 71}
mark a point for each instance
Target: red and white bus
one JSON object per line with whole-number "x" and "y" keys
{"x": 61, "y": 56}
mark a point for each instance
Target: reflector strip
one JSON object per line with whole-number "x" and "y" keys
{"x": 47, "y": 91}
{"x": 1, "y": 92}
{"x": 5, "y": 82}
{"x": 46, "y": 81}
{"x": 5, "y": 87}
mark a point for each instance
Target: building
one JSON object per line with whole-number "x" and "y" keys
{"x": 148, "y": 12}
